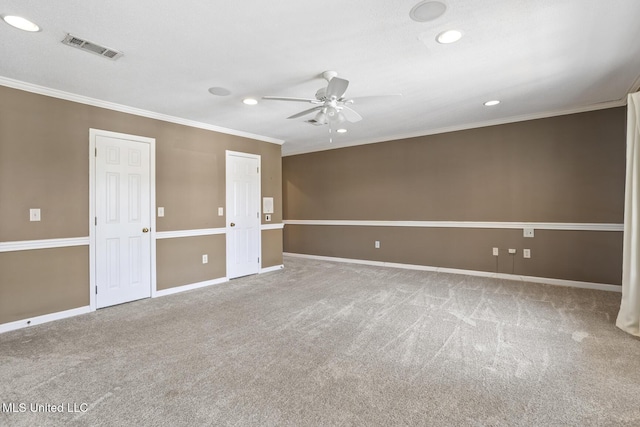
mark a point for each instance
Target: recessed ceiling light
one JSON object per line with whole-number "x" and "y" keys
{"x": 427, "y": 11}
{"x": 250, "y": 101}
{"x": 492, "y": 103}
{"x": 341, "y": 131}
{"x": 219, "y": 91}
{"x": 21, "y": 23}
{"x": 449, "y": 36}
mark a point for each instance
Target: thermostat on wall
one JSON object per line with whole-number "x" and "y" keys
{"x": 267, "y": 205}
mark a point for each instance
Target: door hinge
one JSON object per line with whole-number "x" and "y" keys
{"x": 96, "y": 152}
{"x": 96, "y": 290}
{"x": 258, "y": 169}
{"x": 96, "y": 221}
{"x": 258, "y": 260}
{"x": 257, "y": 214}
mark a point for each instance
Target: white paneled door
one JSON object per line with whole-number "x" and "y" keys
{"x": 243, "y": 214}
{"x": 122, "y": 207}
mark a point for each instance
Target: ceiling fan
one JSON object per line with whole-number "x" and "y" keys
{"x": 331, "y": 106}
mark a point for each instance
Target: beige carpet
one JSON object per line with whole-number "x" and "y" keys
{"x": 332, "y": 344}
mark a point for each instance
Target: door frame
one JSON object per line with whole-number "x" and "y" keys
{"x": 93, "y": 133}
{"x": 226, "y": 201}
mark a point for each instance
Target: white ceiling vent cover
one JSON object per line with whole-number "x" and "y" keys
{"x": 73, "y": 41}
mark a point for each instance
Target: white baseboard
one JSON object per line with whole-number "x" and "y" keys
{"x": 38, "y": 320}
{"x": 272, "y": 268}
{"x": 19, "y": 324}
{"x": 190, "y": 287}
{"x": 516, "y": 277}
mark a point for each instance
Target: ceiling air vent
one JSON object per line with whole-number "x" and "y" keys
{"x": 73, "y": 41}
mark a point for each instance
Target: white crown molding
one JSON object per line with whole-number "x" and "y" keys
{"x": 464, "y": 224}
{"x": 55, "y": 93}
{"x": 515, "y": 277}
{"x": 27, "y": 245}
{"x": 190, "y": 233}
{"x": 38, "y": 320}
{"x": 467, "y": 126}
{"x": 272, "y": 226}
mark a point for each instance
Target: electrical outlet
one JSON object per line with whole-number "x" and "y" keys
{"x": 512, "y": 251}
{"x": 377, "y": 244}
{"x": 205, "y": 259}
{"x": 496, "y": 251}
{"x": 528, "y": 232}
{"x": 526, "y": 253}
{"x": 34, "y": 214}
{"x": 160, "y": 212}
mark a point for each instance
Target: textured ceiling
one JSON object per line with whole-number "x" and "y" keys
{"x": 539, "y": 57}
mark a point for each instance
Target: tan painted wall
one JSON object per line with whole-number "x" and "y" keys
{"x": 562, "y": 169}
{"x": 179, "y": 260}
{"x": 44, "y": 163}
{"x": 271, "y": 248}
{"x": 43, "y": 281}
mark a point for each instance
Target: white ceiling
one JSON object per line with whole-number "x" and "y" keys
{"x": 539, "y": 57}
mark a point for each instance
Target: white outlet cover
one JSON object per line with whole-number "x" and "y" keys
{"x": 512, "y": 251}
{"x": 34, "y": 214}
{"x": 205, "y": 259}
{"x": 496, "y": 252}
{"x": 526, "y": 253}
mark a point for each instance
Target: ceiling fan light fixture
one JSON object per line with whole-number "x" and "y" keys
{"x": 21, "y": 23}
{"x": 427, "y": 11}
{"x": 491, "y": 103}
{"x": 449, "y": 36}
{"x": 321, "y": 117}
{"x": 250, "y": 101}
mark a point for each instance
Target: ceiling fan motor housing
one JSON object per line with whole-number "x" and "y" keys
{"x": 321, "y": 94}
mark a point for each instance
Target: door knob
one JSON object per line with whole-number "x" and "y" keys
{"x": 145, "y": 230}
{"x": 233, "y": 224}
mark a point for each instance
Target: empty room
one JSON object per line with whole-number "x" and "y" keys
{"x": 361, "y": 213}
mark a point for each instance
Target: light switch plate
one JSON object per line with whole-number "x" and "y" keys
{"x": 34, "y": 214}
{"x": 526, "y": 253}
{"x": 496, "y": 251}
{"x": 512, "y": 251}
{"x": 160, "y": 211}
{"x": 220, "y": 211}
{"x": 528, "y": 232}
{"x": 205, "y": 259}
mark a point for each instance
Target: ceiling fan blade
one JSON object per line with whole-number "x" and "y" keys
{"x": 337, "y": 87}
{"x": 372, "y": 98}
{"x": 351, "y": 115}
{"x": 305, "y": 112}
{"x": 287, "y": 98}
